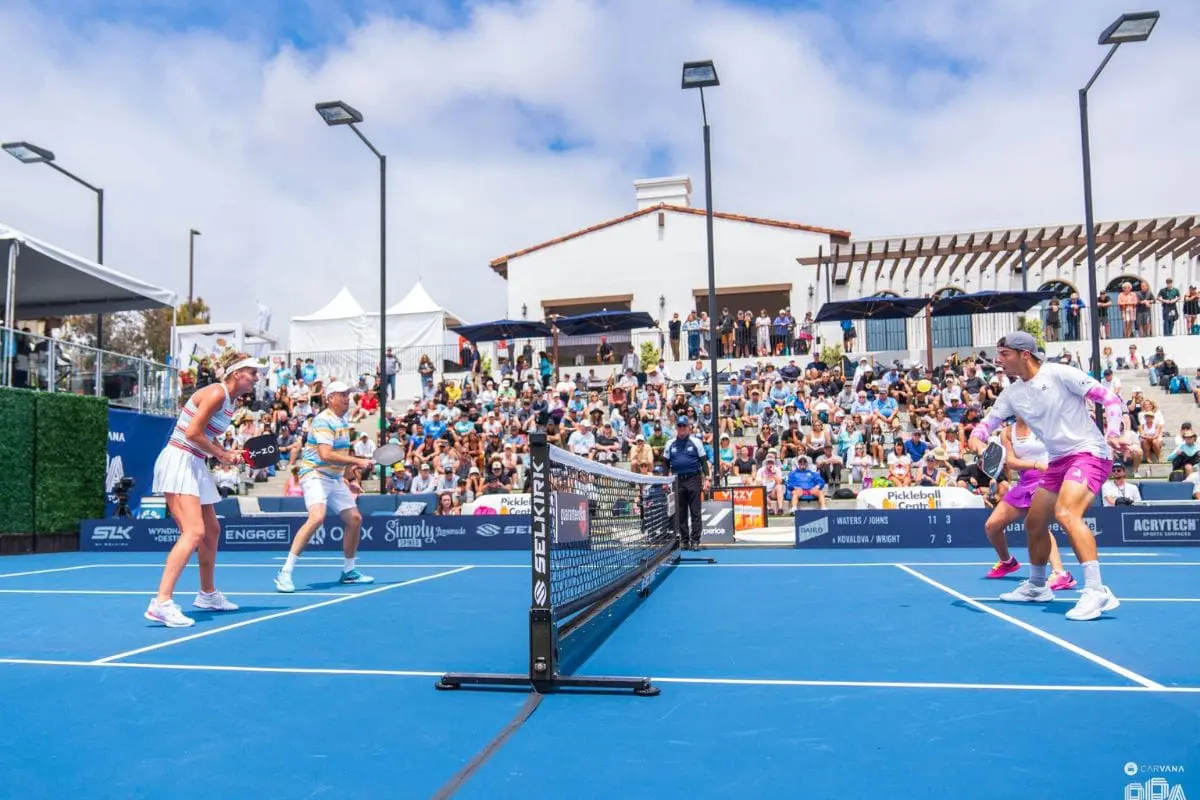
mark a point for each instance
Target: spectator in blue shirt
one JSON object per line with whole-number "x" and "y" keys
{"x": 916, "y": 447}
{"x": 804, "y": 481}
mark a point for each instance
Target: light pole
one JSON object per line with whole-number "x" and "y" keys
{"x": 697, "y": 75}
{"x": 1135, "y": 27}
{"x": 192, "y": 234}
{"x": 338, "y": 113}
{"x": 28, "y": 153}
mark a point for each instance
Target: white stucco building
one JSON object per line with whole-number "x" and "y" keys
{"x": 655, "y": 259}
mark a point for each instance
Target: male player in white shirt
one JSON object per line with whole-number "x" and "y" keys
{"x": 1053, "y": 399}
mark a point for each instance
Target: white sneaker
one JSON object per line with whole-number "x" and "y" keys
{"x": 283, "y": 582}
{"x": 1092, "y": 603}
{"x": 168, "y": 613}
{"x": 1028, "y": 593}
{"x": 214, "y": 602}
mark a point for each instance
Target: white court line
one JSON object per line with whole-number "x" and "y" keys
{"x": 276, "y": 615}
{"x": 1036, "y": 631}
{"x": 144, "y": 593}
{"x": 1012, "y": 687}
{"x": 1123, "y": 599}
{"x": 44, "y": 571}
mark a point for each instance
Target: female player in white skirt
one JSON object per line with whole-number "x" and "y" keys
{"x": 182, "y": 475}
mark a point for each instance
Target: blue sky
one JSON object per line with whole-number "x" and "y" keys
{"x": 508, "y": 123}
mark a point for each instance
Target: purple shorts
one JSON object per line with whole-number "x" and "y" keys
{"x": 1021, "y": 495}
{"x": 1084, "y": 468}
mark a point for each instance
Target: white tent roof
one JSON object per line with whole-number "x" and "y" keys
{"x": 51, "y": 282}
{"x": 418, "y": 301}
{"x": 342, "y": 306}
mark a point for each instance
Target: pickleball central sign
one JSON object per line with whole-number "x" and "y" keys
{"x": 571, "y": 518}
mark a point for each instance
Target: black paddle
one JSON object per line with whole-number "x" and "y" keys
{"x": 993, "y": 458}
{"x": 261, "y": 452}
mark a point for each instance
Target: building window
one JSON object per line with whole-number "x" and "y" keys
{"x": 887, "y": 334}
{"x": 953, "y": 332}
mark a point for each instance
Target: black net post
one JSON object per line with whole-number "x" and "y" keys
{"x": 543, "y": 632}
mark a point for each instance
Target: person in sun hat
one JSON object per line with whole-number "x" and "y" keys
{"x": 1054, "y": 401}
{"x": 324, "y": 465}
{"x": 181, "y": 474}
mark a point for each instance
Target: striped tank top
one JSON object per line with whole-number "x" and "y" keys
{"x": 217, "y": 425}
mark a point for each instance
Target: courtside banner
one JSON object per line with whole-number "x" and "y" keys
{"x": 134, "y": 442}
{"x": 902, "y": 528}
{"x": 275, "y": 533}
{"x": 749, "y": 505}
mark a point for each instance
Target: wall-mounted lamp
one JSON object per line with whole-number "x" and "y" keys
{"x": 524, "y": 311}
{"x": 662, "y": 301}
{"x": 811, "y": 291}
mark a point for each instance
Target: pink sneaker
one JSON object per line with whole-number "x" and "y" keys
{"x": 1003, "y": 568}
{"x": 1061, "y": 580}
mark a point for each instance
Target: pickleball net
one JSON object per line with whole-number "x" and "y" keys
{"x": 601, "y": 539}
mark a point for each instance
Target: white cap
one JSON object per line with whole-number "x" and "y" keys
{"x": 245, "y": 362}
{"x": 336, "y": 387}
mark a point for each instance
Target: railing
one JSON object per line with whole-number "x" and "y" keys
{"x": 29, "y": 361}
{"x": 573, "y": 351}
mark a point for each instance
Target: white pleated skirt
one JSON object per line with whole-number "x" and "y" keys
{"x": 179, "y": 472}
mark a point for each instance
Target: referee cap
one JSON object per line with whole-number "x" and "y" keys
{"x": 1020, "y": 340}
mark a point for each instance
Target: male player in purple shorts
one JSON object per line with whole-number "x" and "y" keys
{"x": 1053, "y": 400}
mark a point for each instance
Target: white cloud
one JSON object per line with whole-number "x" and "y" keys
{"x": 817, "y": 120}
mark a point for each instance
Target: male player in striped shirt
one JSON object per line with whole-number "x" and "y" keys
{"x": 323, "y": 466}
{"x": 1054, "y": 400}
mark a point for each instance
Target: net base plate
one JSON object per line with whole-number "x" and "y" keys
{"x": 643, "y": 687}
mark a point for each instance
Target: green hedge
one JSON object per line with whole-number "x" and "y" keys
{"x": 71, "y": 462}
{"x": 16, "y": 450}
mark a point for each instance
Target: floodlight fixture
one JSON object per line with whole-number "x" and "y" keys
{"x": 698, "y": 74}
{"x": 1131, "y": 27}
{"x": 338, "y": 113}
{"x": 27, "y": 153}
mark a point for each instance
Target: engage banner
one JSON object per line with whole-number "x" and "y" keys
{"x": 749, "y": 505}
{"x": 134, "y": 442}
{"x": 274, "y": 533}
{"x": 905, "y": 528}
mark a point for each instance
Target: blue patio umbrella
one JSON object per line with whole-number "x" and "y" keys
{"x": 595, "y": 322}
{"x": 883, "y": 306}
{"x": 988, "y": 302}
{"x": 504, "y": 329}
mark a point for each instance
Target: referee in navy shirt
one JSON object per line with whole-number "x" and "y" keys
{"x": 687, "y": 460}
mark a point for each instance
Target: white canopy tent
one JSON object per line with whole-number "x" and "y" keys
{"x": 343, "y": 324}
{"x": 43, "y": 280}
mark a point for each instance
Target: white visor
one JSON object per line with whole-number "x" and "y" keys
{"x": 245, "y": 362}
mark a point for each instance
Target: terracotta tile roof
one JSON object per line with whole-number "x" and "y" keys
{"x": 500, "y": 265}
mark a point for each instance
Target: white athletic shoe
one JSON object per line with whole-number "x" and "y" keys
{"x": 168, "y": 613}
{"x": 283, "y": 582}
{"x": 1028, "y": 593}
{"x": 1092, "y": 603}
{"x": 214, "y": 602}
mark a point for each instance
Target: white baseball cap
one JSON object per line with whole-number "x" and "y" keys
{"x": 336, "y": 387}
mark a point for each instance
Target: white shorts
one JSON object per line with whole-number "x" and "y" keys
{"x": 333, "y": 493}
{"x": 179, "y": 472}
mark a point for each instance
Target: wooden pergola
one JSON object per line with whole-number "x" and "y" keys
{"x": 1116, "y": 242}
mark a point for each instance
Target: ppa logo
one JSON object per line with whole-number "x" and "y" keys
{"x": 1155, "y": 789}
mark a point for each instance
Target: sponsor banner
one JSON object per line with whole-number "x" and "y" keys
{"x": 907, "y": 528}
{"x": 571, "y": 521}
{"x": 500, "y": 504}
{"x": 424, "y": 532}
{"x": 717, "y": 519}
{"x": 918, "y": 497}
{"x": 1160, "y": 527}
{"x": 134, "y": 442}
{"x": 749, "y": 505}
